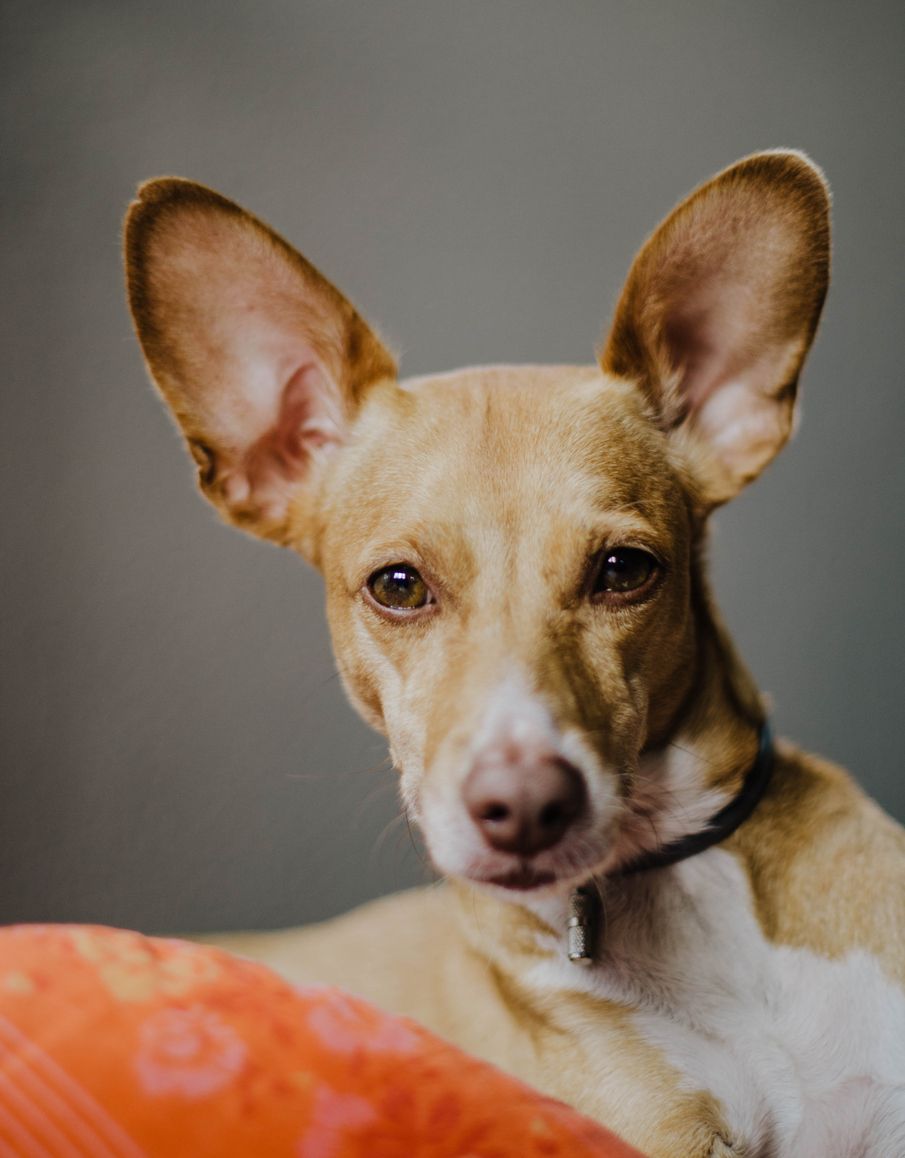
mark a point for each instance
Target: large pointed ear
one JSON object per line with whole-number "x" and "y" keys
{"x": 262, "y": 361}
{"x": 719, "y": 311}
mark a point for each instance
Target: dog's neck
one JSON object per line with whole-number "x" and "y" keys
{"x": 687, "y": 775}
{"x": 681, "y": 784}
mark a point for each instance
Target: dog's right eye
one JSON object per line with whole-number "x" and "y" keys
{"x": 400, "y": 588}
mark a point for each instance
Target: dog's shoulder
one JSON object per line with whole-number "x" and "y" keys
{"x": 826, "y": 864}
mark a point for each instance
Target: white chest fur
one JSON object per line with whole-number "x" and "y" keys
{"x": 806, "y": 1055}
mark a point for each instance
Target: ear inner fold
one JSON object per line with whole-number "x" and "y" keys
{"x": 261, "y": 360}
{"x": 719, "y": 310}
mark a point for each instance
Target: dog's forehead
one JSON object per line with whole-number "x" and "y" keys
{"x": 498, "y": 430}
{"x": 518, "y": 452}
{"x": 500, "y": 377}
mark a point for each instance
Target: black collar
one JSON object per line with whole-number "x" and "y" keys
{"x": 723, "y": 823}
{"x": 584, "y": 919}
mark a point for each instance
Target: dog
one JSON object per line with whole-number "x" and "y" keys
{"x": 650, "y": 910}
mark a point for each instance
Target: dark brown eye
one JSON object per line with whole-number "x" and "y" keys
{"x": 623, "y": 571}
{"x": 399, "y": 587}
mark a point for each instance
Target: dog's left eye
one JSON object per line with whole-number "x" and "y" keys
{"x": 623, "y": 573}
{"x": 399, "y": 587}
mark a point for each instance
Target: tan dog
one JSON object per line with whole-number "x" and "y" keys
{"x": 513, "y": 564}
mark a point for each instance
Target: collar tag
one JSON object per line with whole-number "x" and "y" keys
{"x": 580, "y": 927}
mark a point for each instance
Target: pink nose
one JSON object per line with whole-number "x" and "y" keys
{"x": 524, "y": 809}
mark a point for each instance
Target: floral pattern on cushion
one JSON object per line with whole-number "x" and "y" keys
{"x": 116, "y": 1045}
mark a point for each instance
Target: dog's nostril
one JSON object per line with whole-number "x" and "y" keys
{"x": 524, "y": 809}
{"x": 552, "y": 814}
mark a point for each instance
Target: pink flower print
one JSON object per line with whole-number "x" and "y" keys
{"x": 191, "y": 1052}
{"x": 345, "y": 1025}
{"x": 334, "y": 1117}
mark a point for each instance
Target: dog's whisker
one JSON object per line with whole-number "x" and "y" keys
{"x": 694, "y": 755}
{"x": 319, "y": 688}
{"x": 391, "y": 827}
{"x": 367, "y": 802}
{"x": 416, "y": 844}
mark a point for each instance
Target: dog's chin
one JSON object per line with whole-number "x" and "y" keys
{"x": 553, "y": 872}
{"x": 521, "y": 878}
{"x": 524, "y": 877}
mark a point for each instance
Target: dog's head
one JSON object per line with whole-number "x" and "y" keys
{"x": 509, "y": 553}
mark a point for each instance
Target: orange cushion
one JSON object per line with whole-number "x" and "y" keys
{"x": 115, "y": 1044}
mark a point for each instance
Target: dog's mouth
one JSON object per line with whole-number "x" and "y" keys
{"x": 560, "y": 869}
{"x": 522, "y": 878}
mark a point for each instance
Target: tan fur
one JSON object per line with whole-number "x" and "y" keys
{"x": 501, "y": 485}
{"x": 827, "y": 866}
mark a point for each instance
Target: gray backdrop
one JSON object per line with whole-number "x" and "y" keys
{"x": 177, "y": 753}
